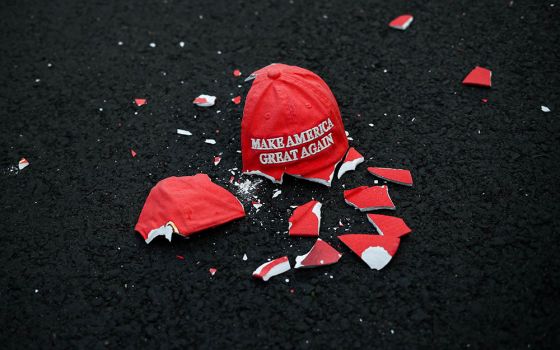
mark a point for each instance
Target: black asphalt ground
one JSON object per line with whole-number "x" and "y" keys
{"x": 480, "y": 270}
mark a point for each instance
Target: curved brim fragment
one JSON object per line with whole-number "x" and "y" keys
{"x": 272, "y": 268}
{"x": 375, "y": 250}
{"x": 187, "y": 204}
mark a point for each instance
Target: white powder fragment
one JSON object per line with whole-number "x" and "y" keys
{"x": 276, "y": 193}
{"x": 184, "y": 132}
{"x": 152, "y": 44}
{"x": 245, "y": 257}
{"x": 246, "y": 188}
{"x": 210, "y": 141}
{"x": 545, "y": 109}
{"x": 182, "y": 44}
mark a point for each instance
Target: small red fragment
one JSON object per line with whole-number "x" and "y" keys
{"x": 217, "y": 160}
{"x": 479, "y": 77}
{"x": 351, "y": 161}
{"x": 375, "y": 250}
{"x": 389, "y": 225}
{"x": 369, "y": 198}
{"x": 231, "y": 178}
{"x": 484, "y": 100}
{"x": 321, "y": 254}
{"x": 205, "y": 101}
{"x": 186, "y": 205}
{"x": 402, "y": 22}
{"x": 398, "y": 176}
{"x": 212, "y": 271}
{"x": 23, "y": 163}
{"x": 236, "y": 73}
{"x": 140, "y": 101}
{"x": 180, "y": 257}
{"x": 236, "y": 100}
{"x": 272, "y": 268}
{"x": 306, "y": 220}
{"x": 133, "y": 153}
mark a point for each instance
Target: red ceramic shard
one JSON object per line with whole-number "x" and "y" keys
{"x": 306, "y": 220}
{"x": 186, "y": 205}
{"x": 212, "y": 271}
{"x": 133, "y": 153}
{"x": 217, "y": 160}
{"x": 321, "y": 254}
{"x": 272, "y": 268}
{"x": 351, "y": 161}
{"x": 479, "y": 77}
{"x": 236, "y": 73}
{"x": 398, "y": 176}
{"x": 236, "y": 100}
{"x": 402, "y": 22}
{"x": 205, "y": 101}
{"x": 369, "y": 198}
{"x": 484, "y": 100}
{"x": 375, "y": 250}
{"x": 23, "y": 163}
{"x": 140, "y": 101}
{"x": 389, "y": 225}
{"x": 180, "y": 257}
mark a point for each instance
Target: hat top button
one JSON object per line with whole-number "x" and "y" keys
{"x": 273, "y": 74}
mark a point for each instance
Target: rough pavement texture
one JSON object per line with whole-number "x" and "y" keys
{"x": 480, "y": 269}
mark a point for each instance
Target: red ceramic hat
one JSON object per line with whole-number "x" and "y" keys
{"x": 185, "y": 205}
{"x": 291, "y": 125}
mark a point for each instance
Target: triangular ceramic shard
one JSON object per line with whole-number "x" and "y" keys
{"x": 205, "y": 101}
{"x": 375, "y": 250}
{"x": 398, "y": 176}
{"x": 236, "y": 100}
{"x": 369, "y": 198}
{"x": 140, "y": 101}
{"x": 189, "y": 204}
{"x": 306, "y": 220}
{"x": 479, "y": 77}
{"x": 272, "y": 268}
{"x": 389, "y": 225}
{"x": 402, "y": 22}
{"x": 321, "y": 254}
{"x": 351, "y": 161}
{"x": 23, "y": 163}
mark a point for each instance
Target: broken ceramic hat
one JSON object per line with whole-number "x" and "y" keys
{"x": 291, "y": 125}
